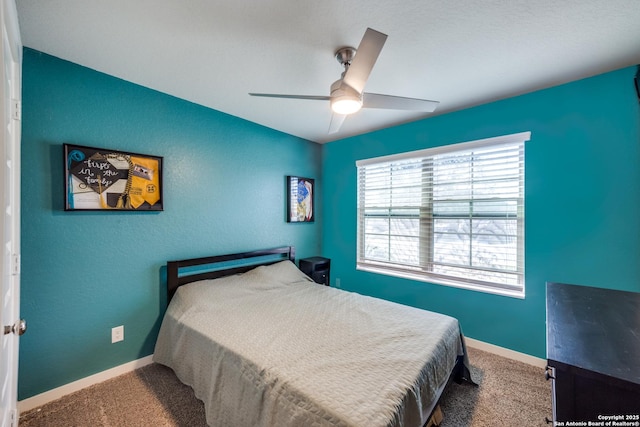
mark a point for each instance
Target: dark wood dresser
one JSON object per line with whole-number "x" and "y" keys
{"x": 593, "y": 352}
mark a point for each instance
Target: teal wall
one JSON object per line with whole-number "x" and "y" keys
{"x": 582, "y": 202}
{"x": 86, "y": 272}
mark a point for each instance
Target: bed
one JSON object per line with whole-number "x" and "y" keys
{"x": 263, "y": 345}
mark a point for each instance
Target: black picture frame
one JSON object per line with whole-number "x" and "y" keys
{"x": 300, "y": 199}
{"x": 100, "y": 179}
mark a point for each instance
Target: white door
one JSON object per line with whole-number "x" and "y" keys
{"x": 11, "y": 327}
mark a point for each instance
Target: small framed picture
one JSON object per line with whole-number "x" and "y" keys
{"x": 300, "y": 199}
{"x": 105, "y": 179}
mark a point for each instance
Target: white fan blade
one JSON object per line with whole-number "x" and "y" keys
{"x": 389, "y": 102}
{"x": 366, "y": 56}
{"x": 275, "y": 95}
{"x": 336, "y": 122}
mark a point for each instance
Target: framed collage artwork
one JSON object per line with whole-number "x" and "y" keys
{"x": 104, "y": 179}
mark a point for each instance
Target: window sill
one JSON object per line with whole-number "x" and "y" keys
{"x": 439, "y": 281}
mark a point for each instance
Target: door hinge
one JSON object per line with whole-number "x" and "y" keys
{"x": 15, "y": 264}
{"x": 16, "y": 109}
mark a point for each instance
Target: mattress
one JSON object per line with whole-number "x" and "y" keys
{"x": 271, "y": 348}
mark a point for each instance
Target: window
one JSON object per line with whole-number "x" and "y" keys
{"x": 451, "y": 215}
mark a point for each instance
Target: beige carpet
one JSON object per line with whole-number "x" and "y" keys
{"x": 509, "y": 394}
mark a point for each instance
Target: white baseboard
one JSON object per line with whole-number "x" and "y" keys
{"x": 505, "y": 352}
{"x": 57, "y": 393}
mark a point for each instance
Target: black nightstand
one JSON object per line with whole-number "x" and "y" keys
{"x": 317, "y": 268}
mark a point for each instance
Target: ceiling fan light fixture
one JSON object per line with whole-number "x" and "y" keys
{"x": 346, "y": 104}
{"x": 345, "y": 100}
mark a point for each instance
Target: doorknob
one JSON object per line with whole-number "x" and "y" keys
{"x": 20, "y": 327}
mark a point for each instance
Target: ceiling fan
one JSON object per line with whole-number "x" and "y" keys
{"x": 347, "y": 94}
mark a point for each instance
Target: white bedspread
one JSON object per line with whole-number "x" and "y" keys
{"x": 271, "y": 348}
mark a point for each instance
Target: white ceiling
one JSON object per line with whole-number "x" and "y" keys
{"x": 459, "y": 52}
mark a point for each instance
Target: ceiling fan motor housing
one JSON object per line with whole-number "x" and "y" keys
{"x": 344, "y": 98}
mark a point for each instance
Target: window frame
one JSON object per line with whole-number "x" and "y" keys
{"x": 427, "y": 218}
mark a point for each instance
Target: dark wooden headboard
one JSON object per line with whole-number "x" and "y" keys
{"x": 213, "y": 267}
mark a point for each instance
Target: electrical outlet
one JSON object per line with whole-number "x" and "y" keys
{"x": 337, "y": 283}
{"x": 117, "y": 334}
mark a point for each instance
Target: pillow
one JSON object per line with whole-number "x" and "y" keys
{"x": 283, "y": 271}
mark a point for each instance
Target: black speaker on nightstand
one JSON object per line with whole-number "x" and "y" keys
{"x": 317, "y": 268}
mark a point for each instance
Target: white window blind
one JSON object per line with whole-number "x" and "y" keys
{"x": 451, "y": 215}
